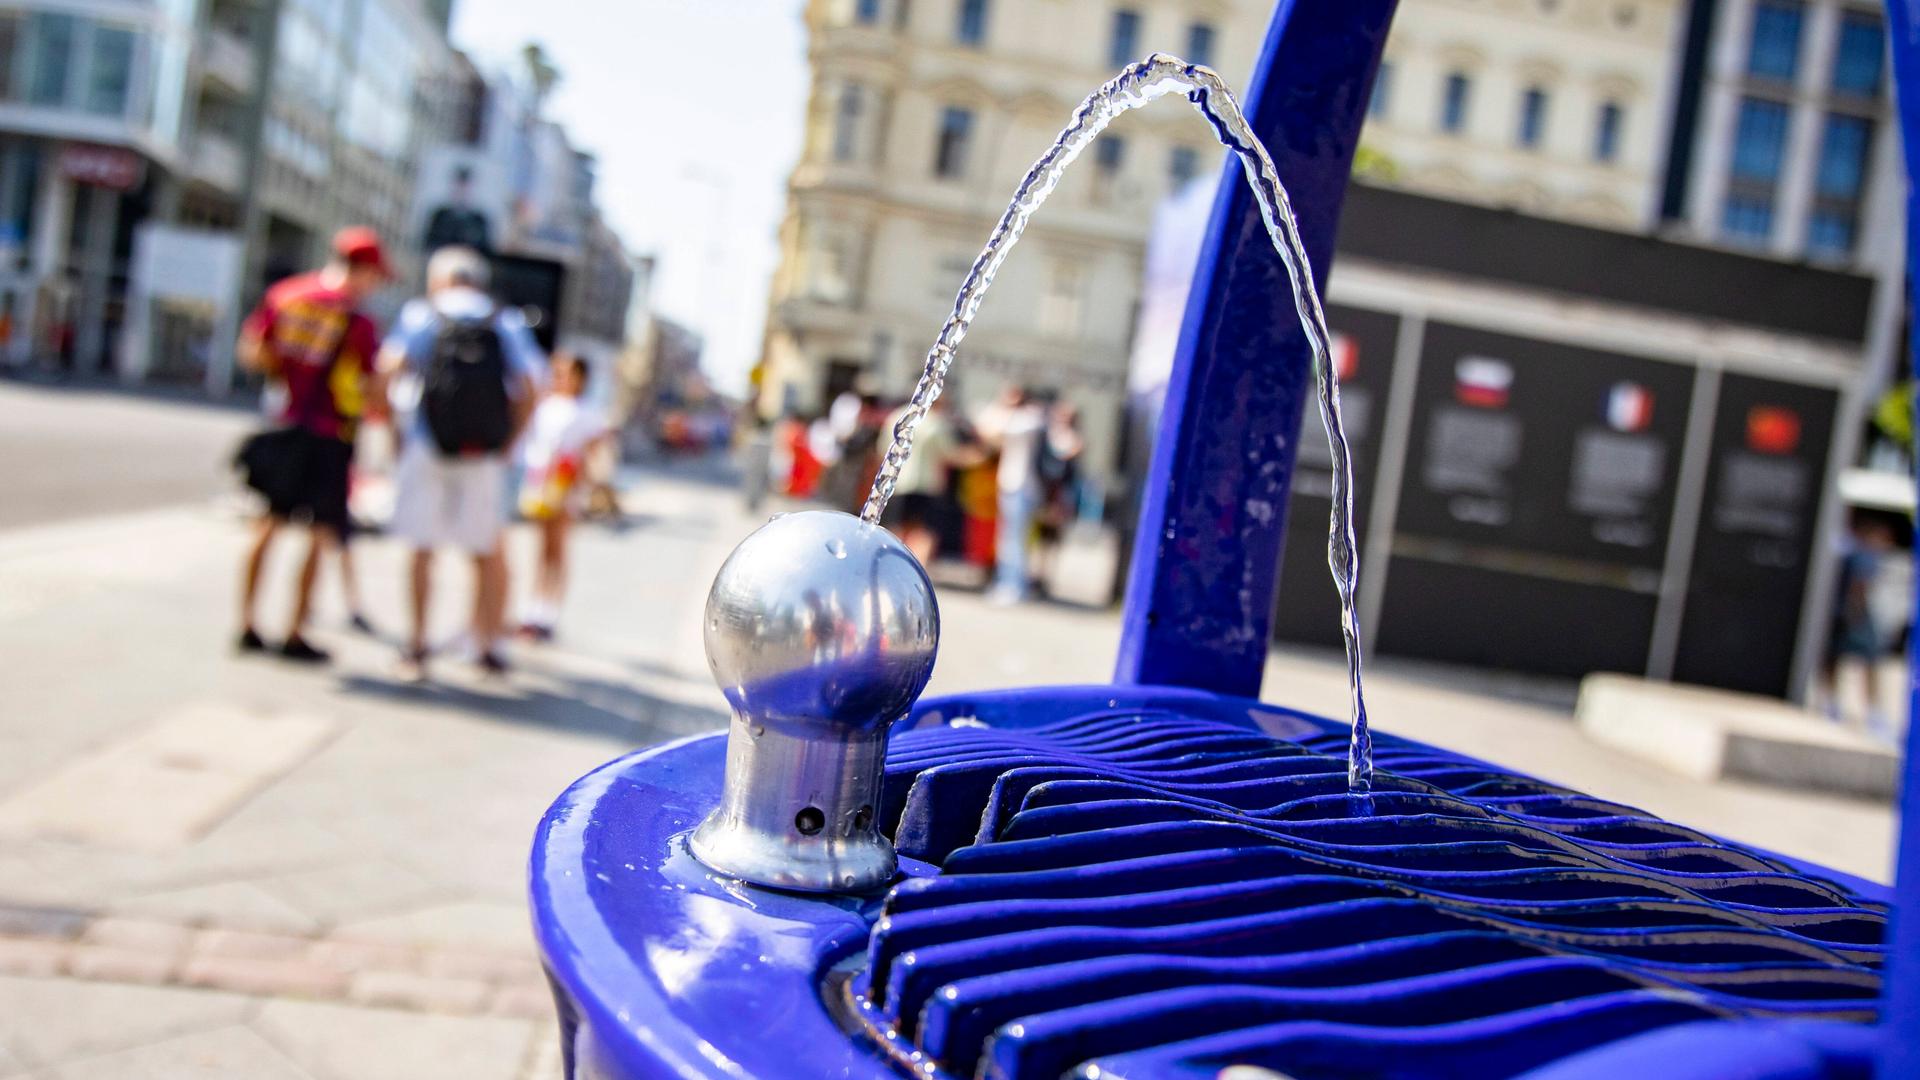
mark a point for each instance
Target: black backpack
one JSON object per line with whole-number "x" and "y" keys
{"x": 464, "y": 398}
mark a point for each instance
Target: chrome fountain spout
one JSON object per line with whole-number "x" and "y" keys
{"x": 821, "y": 630}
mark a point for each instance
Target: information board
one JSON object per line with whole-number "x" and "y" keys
{"x": 1757, "y": 534}
{"x": 1364, "y": 349}
{"x": 1535, "y": 504}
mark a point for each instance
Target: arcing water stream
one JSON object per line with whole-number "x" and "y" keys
{"x": 1152, "y": 78}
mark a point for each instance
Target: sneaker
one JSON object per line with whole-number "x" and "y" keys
{"x": 492, "y": 663}
{"x": 361, "y": 625}
{"x": 412, "y": 667}
{"x": 297, "y": 649}
{"x": 250, "y": 642}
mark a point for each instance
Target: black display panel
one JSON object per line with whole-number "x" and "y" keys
{"x": 1365, "y": 345}
{"x": 1545, "y": 449}
{"x": 1490, "y": 618}
{"x": 1756, "y": 535}
{"x": 1535, "y": 505}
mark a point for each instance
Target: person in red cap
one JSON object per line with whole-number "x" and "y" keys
{"x": 309, "y": 337}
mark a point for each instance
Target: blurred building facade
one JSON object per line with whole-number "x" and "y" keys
{"x": 921, "y": 120}
{"x": 131, "y": 135}
{"x": 1785, "y": 140}
{"x": 1557, "y": 108}
{"x": 505, "y": 179}
{"x": 1785, "y": 143}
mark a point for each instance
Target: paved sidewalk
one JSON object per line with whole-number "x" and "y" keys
{"x": 319, "y": 874}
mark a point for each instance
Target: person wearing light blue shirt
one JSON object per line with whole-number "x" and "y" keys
{"x": 458, "y": 500}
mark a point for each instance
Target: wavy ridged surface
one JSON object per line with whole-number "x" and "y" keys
{"x": 1148, "y": 894}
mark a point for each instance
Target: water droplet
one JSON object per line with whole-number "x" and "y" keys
{"x": 838, "y": 548}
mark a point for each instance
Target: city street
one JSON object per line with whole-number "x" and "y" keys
{"x": 214, "y": 866}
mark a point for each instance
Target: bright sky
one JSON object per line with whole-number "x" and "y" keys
{"x": 693, "y": 160}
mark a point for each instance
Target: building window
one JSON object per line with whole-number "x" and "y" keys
{"x": 1830, "y": 234}
{"x": 1453, "y": 103}
{"x": 1183, "y": 164}
{"x": 846, "y": 123}
{"x": 1533, "y": 117}
{"x": 1382, "y": 90}
{"x": 1747, "y": 218}
{"x": 50, "y": 40}
{"x": 1759, "y": 143}
{"x": 1839, "y": 180}
{"x": 1108, "y": 155}
{"x": 1060, "y": 304}
{"x": 9, "y": 60}
{"x": 1843, "y": 157}
{"x": 1759, "y": 140}
{"x": 1859, "y": 54}
{"x": 1606, "y": 133}
{"x": 866, "y": 12}
{"x": 1774, "y": 52}
{"x": 1200, "y": 43}
{"x": 1126, "y": 38}
{"x": 970, "y": 28}
{"x": 956, "y": 131}
{"x": 110, "y": 74}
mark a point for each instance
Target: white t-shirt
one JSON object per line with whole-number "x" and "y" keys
{"x": 1018, "y": 430}
{"x": 560, "y": 427}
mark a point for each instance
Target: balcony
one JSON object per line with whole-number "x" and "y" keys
{"x": 227, "y": 58}
{"x": 216, "y": 160}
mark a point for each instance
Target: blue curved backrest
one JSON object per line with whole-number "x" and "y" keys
{"x": 1901, "y": 1014}
{"x": 1198, "y": 611}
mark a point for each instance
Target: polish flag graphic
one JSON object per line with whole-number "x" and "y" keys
{"x": 1629, "y": 407}
{"x": 1482, "y": 382}
{"x": 1773, "y": 429}
{"x": 1345, "y": 354}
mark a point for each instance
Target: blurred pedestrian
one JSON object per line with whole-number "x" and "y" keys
{"x": 479, "y": 369}
{"x": 919, "y": 511}
{"x": 1853, "y": 633}
{"x": 1058, "y": 464}
{"x": 756, "y": 460}
{"x": 560, "y": 439}
{"x": 1014, "y": 425}
{"x": 317, "y": 351}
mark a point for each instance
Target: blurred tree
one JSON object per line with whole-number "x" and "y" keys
{"x": 541, "y": 72}
{"x": 1893, "y": 415}
{"x": 1371, "y": 164}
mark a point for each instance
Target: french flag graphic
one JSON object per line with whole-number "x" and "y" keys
{"x": 1629, "y": 407}
{"x": 1482, "y": 382}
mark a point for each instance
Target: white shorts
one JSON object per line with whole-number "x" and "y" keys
{"x": 456, "y": 502}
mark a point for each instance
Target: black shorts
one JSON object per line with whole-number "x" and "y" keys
{"x": 303, "y": 476}
{"x": 914, "y": 508}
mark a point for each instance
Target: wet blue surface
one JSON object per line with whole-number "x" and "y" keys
{"x": 1164, "y": 882}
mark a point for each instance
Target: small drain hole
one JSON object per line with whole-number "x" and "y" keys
{"x": 810, "y": 821}
{"x": 862, "y": 819}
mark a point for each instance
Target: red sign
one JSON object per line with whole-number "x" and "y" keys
{"x": 102, "y": 166}
{"x": 1773, "y": 429}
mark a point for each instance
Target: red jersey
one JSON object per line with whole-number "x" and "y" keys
{"x": 323, "y": 350}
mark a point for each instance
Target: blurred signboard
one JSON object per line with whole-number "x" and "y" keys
{"x": 1364, "y": 348}
{"x": 1535, "y": 505}
{"x": 102, "y": 166}
{"x": 1747, "y": 582}
{"x": 1544, "y": 448}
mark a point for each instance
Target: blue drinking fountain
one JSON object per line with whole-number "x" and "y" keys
{"x": 1163, "y": 876}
